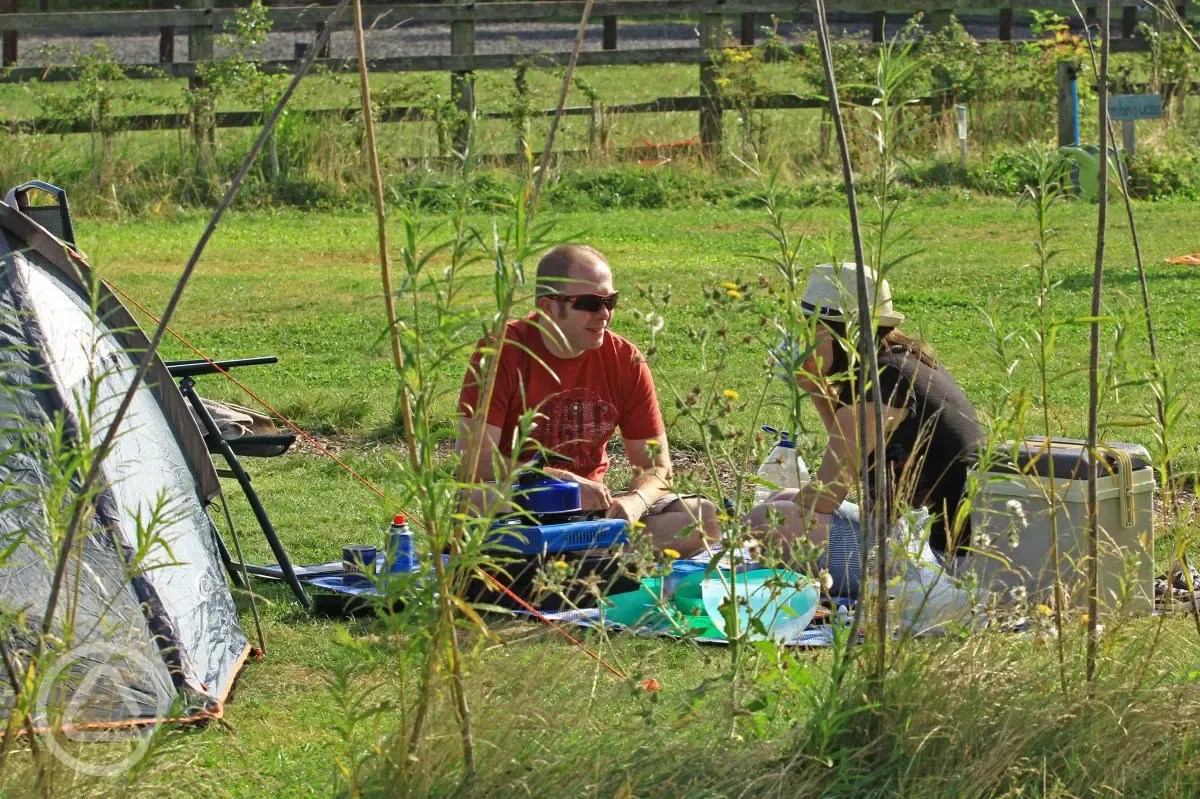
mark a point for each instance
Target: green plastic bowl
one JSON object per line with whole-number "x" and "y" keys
{"x": 689, "y": 597}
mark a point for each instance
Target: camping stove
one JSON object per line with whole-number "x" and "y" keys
{"x": 551, "y": 533}
{"x": 551, "y": 519}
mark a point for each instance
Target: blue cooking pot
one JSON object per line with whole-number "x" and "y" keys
{"x": 542, "y": 495}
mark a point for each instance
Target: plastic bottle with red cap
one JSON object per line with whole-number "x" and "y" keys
{"x": 401, "y": 557}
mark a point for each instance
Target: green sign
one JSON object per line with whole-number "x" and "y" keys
{"x": 1128, "y": 107}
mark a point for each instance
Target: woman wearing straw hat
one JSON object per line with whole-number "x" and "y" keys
{"x": 931, "y": 432}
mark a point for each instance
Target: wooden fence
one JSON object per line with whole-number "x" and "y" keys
{"x": 201, "y": 20}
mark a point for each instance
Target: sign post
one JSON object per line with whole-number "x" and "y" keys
{"x": 1127, "y": 108}
{"x": 962, "y": 134}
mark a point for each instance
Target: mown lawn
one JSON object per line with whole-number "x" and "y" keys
{"x": 305, "y": 287}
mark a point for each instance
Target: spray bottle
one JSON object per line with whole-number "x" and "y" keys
{"x": 401, "y": 555}
{"x": 783, "y": 467}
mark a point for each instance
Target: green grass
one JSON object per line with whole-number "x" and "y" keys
{"x": 305, "y": 287}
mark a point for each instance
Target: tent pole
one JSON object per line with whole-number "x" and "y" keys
{"x": 244, "y": 576}
{"x": 228, "y": 562}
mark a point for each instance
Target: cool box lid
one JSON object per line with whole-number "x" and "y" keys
{"x": 1069, "y": 458}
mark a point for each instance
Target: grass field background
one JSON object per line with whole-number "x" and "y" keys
{"x": 305, "y": 287}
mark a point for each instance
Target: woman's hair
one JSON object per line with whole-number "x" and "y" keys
{"x": 886, "y": 340}
{"x": 895, "y": 341}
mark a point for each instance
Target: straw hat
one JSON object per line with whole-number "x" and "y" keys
{"x": 832, "y": 289}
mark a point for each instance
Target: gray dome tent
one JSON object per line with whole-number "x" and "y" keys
{"x": 139, "y": 639}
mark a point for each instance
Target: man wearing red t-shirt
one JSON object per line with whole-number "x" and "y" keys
{"x": 586, "y": 382}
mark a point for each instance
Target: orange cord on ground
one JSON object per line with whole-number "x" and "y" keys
{"x": 292, "y": 425}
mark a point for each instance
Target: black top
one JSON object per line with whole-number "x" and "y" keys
{"x": 937, "y": 441}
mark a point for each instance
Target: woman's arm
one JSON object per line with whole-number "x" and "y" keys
{"x": 840, "y": 463}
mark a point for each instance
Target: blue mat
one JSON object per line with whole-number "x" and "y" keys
{"x": 817, "y": 635}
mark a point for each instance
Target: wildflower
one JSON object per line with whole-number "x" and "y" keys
{"x": 1014, "y": 538}
{"x": 1045, "y": 611}
{"x": 651, "y": 686}
{"x": 731, "y": 395}
{"x": 672, "y": 553}
{"x": 651, "y": 442}
{"x": 826, "y": 580}
{"x": 728, "y": 286}
{"x": 734, "y": 293}
{"x": 1017, "y": 511}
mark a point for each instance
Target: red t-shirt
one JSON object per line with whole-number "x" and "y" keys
{"x": 601, "y": 390}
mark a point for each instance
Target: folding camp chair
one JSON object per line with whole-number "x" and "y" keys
{"x": 54, "y": 218}
{"x": 232, "y": 449}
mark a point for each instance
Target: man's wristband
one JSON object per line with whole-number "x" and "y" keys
{"x": 642, "y": 497}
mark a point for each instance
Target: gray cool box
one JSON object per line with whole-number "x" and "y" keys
{"x": 1125, "y": 496}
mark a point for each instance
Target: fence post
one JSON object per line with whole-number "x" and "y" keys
{"x": 939, "y": 18}
{"x": 462, "y": 82}
{"x": 200, "y": 48}
{"x": 711, "y": 30}
{"x": 1068, "y": 106}
{"x": 1006, "y": 24}
{"x": 9, "y": 55}
{"x": 1128, "y": 22}
{"x": 610, "y": 34}
{"x": 200, "y": 37}
{"x": 166, "y": 35}
{"x": 324, "y": 51}
{"x": 749, "y": 24}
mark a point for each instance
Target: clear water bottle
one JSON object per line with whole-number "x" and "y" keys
{"x": 401, "y": 554}
{"x": 783, "y": 466}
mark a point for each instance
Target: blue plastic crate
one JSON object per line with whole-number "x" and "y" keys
{"x": 568, "y": 537}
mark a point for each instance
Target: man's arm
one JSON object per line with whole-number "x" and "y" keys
{"x": 650, "y": 460}
{"x": 593, "y": 495}
{"x": 486, "y": 472}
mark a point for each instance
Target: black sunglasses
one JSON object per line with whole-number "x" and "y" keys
{"x": 590, "y": 303}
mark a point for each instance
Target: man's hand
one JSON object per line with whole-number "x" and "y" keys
{"x": 592, "y": 495}
{"x": 629, "y": 507}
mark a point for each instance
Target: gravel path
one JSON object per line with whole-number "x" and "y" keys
{"x": 402, "y": 40}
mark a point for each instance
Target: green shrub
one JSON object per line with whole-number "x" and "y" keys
{"x": 1008, "y": 172}
{"x": 624, "y": 187}
{"x": 1154, "y": 175}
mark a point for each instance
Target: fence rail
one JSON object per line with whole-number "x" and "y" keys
{"x": 65, "y": 22}
{"x": 246, "y": 119}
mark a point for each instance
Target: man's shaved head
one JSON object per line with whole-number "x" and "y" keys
{"x": 562, "y": 269}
